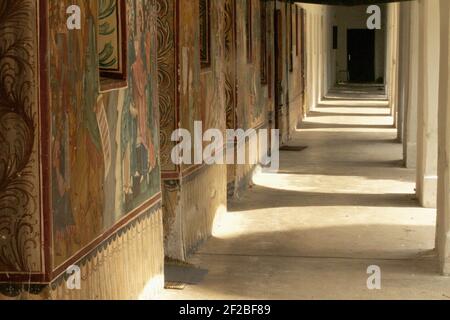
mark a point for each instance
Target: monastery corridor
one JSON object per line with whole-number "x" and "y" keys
{"x": 334, "y": 209}
{"x": 129, "y": 168}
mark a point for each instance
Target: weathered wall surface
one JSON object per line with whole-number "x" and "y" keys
{"x": 252, "y": 103}
{"x": 202, "y": 201}
{"x": 204, "y": 192}
{"x": 191, "y": 205}
{"x": 127, "y": 266}
{"x": 230, "y": 92}
{"x": 91, "y": 183}
{"x": 103, "y": 154}
{"x": 196, "y": 94}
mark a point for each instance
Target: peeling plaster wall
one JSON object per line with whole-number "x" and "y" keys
{"x": 128, "y": 266}
{"x": 227, "y": 93}
{"x": 284, "y": 52}
{"x": 118, "y": 237}
{"x": 202, "y": 201}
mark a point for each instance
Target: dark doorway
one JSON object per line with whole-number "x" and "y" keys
{"x": 361, "y": 55}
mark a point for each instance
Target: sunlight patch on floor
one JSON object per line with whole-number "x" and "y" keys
{"x": 331, "y": 184}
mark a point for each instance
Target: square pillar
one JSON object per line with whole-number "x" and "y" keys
{"x": 443, "y": 221}
{"x": 411, "y": 108}
{"x": 428, "y": 103}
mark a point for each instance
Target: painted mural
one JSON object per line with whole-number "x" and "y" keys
{"x": 251, "y": 94}
{"x": 212, "y": 80}
{"x": 167, "y": 80}
{"x": 109, "y": 35}
{"x": 259, "y": 89}
{"x": 20, "y": 228}
{"x": 263, "y": 49}
{"x": 205, "y": 32}
{"x": 105, "y": 147}
{"x": 105, "y": 154}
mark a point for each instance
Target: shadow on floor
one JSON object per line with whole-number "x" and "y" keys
{"x": 340, "y": 169}
{"x": 315, "y": 125}
{"x": 356, "y": 241}
{"x": 354, "y": 99}
{"x": 348, "y": 104}
{"x": 314, "y": 114}
{"x": 289, "y": 198}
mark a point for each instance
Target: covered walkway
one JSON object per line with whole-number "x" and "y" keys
{"x": 335, "y": 208}
{"x": 100, "y": 185}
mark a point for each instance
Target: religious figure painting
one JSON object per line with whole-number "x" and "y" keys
{"x": 104, "y": 146}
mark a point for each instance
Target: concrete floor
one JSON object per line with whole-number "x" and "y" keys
{"x": 336, "y": 208}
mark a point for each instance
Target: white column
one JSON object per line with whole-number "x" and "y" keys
{"x": 310, "y": 59}
{"x": 428, "y": 103}
{"x": 403, "y": 65}
{"x": 389, "y": 33}
{"x": 316, "y": 59}
{"x": 395, "y": 46}
{"x": 410, "y": 138}
{"x": 322, "y": 64}
{"x": 443, "y": 223}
